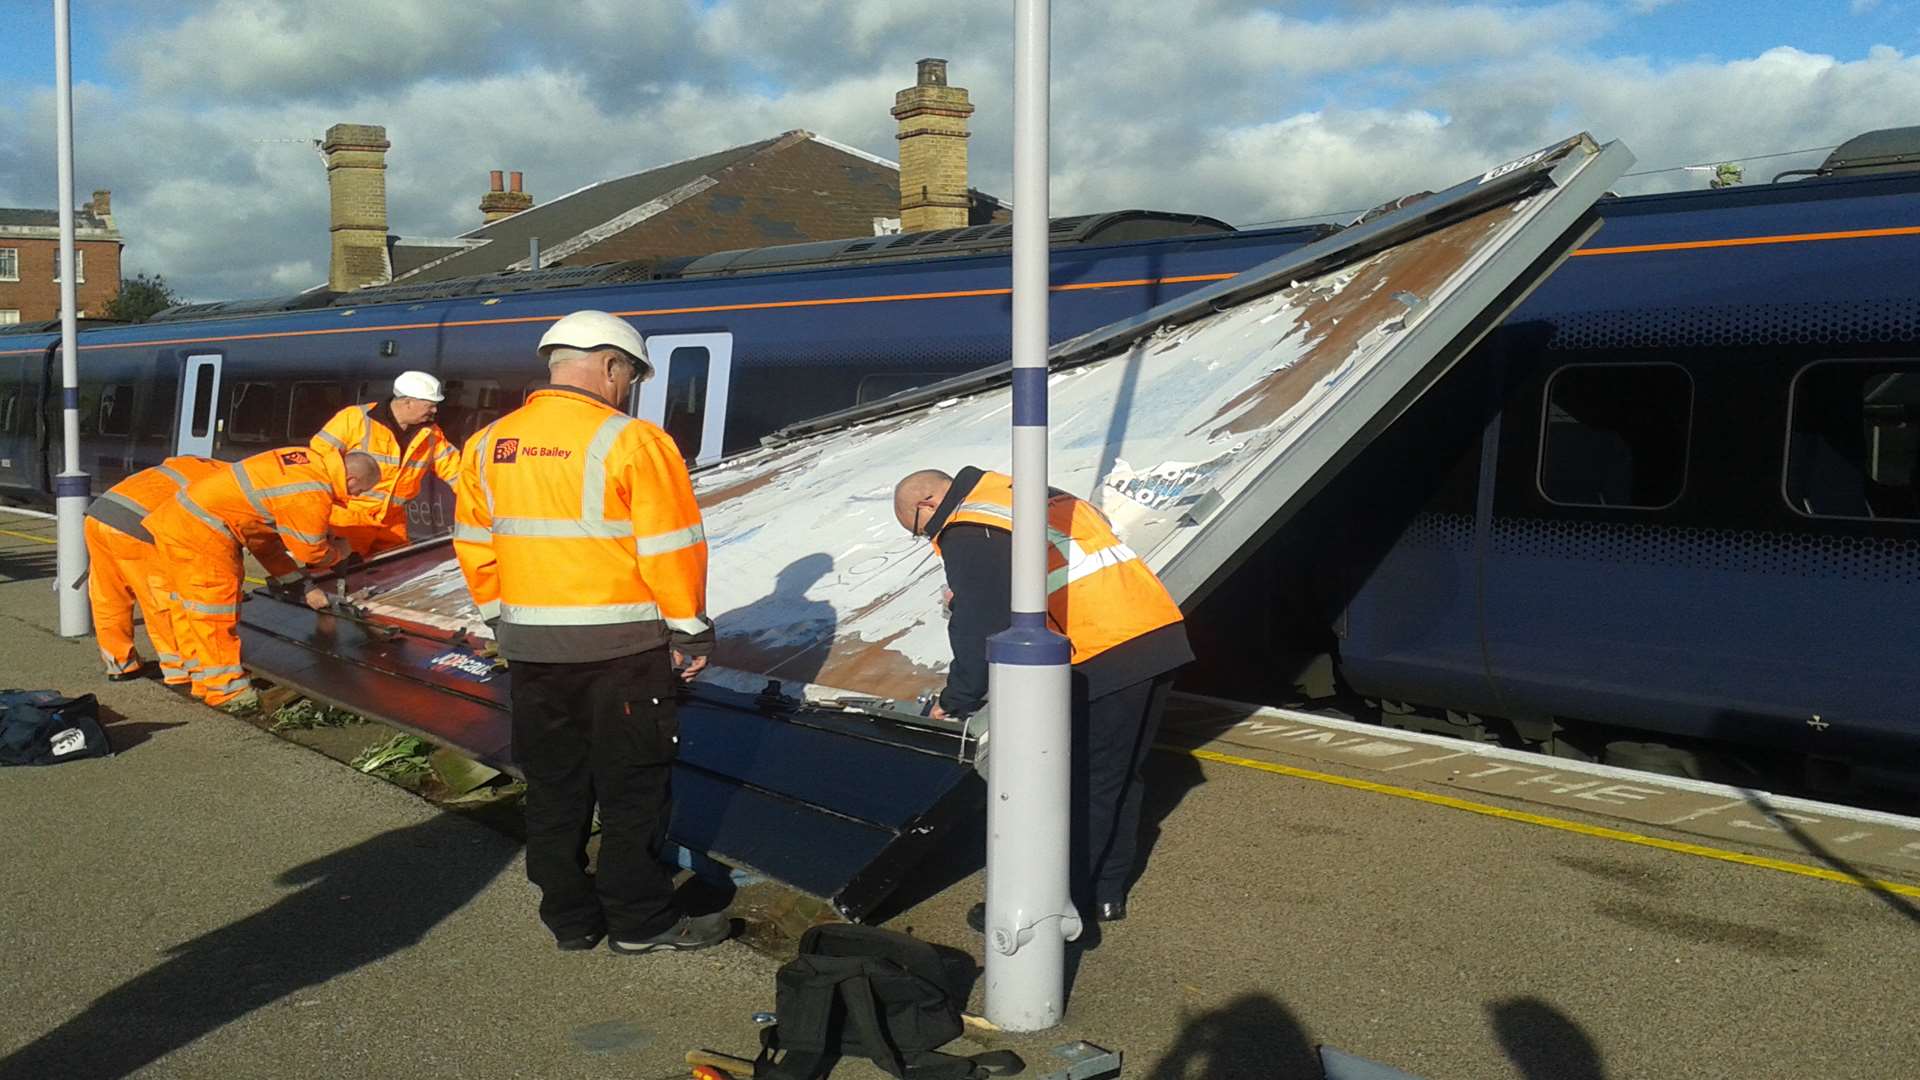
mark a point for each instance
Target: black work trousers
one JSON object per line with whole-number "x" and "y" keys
{"x": 601, "y": 732}
{"x": 1112, "y": 735}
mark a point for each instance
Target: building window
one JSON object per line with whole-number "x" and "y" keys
{"x": 251, "y": 413}
{"x": 9, "y": 316}
{"x": 1853, "y": 440}
{"x": 10, "y": 264}
{"x": 685, "y": 416}
{"x": 79, "y": 261}
{"x": 116, "y": 410}
{"x": 1615, "y": 435}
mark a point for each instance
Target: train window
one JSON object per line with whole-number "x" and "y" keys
{"x": 116, "y": 410}
{"x": 251, "y": 415}
{"x": 1615, "y": 435}
{"x": 314, "y": 403}
{"x": 204, "y": 378}
{"x": 1853, "y": 440}
{"x": 685, "y": 416}
{"x": 9, "y": 411}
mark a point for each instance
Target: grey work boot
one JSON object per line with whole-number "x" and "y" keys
{"x": 691, "y": 932}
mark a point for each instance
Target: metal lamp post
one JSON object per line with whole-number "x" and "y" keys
{"x": 1030, "y": 914}
{"x": 72, "y": 488}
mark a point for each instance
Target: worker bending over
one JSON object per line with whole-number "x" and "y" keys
{"x": 401, "y": 436}
{"x": 274, "y": 503}
{"x": 579, "y": 537}
{"x": 1126, "y": 633}
{"x": 123, "y": 568}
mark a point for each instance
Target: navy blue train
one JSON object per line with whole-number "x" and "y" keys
{"x": 1670, "y": 508}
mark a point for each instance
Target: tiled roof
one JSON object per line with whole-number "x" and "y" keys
{"x": 45, "y": 219}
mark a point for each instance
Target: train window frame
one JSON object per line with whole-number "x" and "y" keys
{"x": 293, "y": 407}
{"x": 1786, "y": 442}
{"x": 1686, "y": 442}
{"x": 266, "y": 436}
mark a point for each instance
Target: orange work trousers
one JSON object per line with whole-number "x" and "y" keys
{"x": 123, "y": 571}
{"x": 206, "y": 574}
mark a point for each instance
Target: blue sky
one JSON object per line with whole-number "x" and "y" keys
{"x": 192, "y": 111}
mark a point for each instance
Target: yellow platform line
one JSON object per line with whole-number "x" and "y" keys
{"x": 44, "y": 540}
{"x": 1545, "y": 822}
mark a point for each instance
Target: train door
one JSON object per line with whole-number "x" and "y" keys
{"x": 687, "y": 395}
{"x": 199, "y": 404}
{"x": 16, "y": 425}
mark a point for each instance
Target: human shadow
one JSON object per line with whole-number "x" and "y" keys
{"x": 124, "y": 734}
{"x": 1544, "y": 1043}
{"x": 1253, "y": 1035}
{"x": 358, "y": 905}
{"x": 1786, "y": 824}
{"x": 783, "y": 635}
{"x": 31, "y": 564}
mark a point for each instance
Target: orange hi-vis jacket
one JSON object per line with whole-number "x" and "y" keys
{"x": 1099, "y": 593}
{"x": 402, "y": 469}
{"x": 123, "y": 505}
{"x": 275, "y": 504}
{"x": 576, "y": 528}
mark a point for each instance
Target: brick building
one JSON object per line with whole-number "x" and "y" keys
{"x": 30, "y": 261}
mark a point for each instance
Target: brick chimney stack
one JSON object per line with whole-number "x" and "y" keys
{"x": 497, "y": 204}
{"x": 102, "y": 207}
{"x": 933, "y": 150}
{"x": 357, "y": 195}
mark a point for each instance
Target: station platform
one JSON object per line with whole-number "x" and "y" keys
{"x": 215, "y": 902}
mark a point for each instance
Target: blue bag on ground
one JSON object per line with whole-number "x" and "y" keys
{"x": 45, "y": 727}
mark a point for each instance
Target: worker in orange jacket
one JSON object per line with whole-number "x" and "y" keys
{"x": 401, "y": 436}
{"x": 123, "y": 569}
{"x": 1127, "y": 638}
{"x": 577, "y": 532}
{"x": 274, "y": 503}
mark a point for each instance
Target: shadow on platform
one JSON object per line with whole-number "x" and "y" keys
{"x": 1786, "y": 824}
{"x": 1252, "y": 1035}
{"x": 1544, "y": 1043}
{"x": 358, "y": 905}
{"x": 124, "y": 734}
{"x": 26, "y": 564}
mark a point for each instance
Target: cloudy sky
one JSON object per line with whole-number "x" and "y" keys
{"x": 196, "y": 113}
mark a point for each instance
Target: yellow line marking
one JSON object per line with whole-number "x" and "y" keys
{"x": 44, "y": 540}
{"x": 1600, "y": 831}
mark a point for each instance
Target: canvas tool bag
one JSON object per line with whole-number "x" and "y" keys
{"x": 42, "y": 727}
{"x": 866, "y": 992}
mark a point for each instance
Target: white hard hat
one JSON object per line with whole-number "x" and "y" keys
{"x": 589, "y": 330}
{"x": 417, "y": 384}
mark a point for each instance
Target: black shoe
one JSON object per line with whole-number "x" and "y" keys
{"x": 691, "y": 932}
{"x": 977, "y": 918}
{"x": 138, "y": 671}
{"x": 579, "y": 943}
{"x": 1112, "y": 911}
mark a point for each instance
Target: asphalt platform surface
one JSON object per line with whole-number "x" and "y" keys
{"x": 216, "y": 902}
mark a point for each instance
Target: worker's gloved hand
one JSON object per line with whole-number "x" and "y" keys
{"x": 315, "y": 599}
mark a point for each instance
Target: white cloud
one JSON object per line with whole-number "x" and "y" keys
{"x": 1861, "y": 7}
{"x": 1242, "y": 111}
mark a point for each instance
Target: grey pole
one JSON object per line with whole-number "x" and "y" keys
{"x": 1030, "y": 914}
{"x": 71, "y": 488}
{"x": 533, "y": 253}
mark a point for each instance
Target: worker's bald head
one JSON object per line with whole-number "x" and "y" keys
{"x": 917, "y": 495}
{"x": 362, "y": 472}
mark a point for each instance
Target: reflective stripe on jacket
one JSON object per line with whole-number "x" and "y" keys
{"x": 402, "y": 470}
{"x": 1099, "y": 593}
{"x": 122, "y": 506}
{"x": 275, "y": 503}
{"x": 576, "y": 528}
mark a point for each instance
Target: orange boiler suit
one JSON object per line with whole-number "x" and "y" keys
{"x": 376, "y": 520}
{"x": 124, "y": 569}
{"x": 275, "y": 503}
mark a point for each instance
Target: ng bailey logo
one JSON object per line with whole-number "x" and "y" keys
{"x": 459, "y": 663}
{"x": 506, "y": 451}
{"x": 293, "y": 457}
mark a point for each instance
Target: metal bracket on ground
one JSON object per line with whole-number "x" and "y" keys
{"x": 1084, "y": 1061}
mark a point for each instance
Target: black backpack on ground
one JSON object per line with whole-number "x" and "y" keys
{"x": 41, "y": 727}
{"x": 871, "y": 993}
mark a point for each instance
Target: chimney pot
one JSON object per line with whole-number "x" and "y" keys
{"x": 515, "y": 178}
{"x": 933, "y": 72}
{"x": 494, "y": 180}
